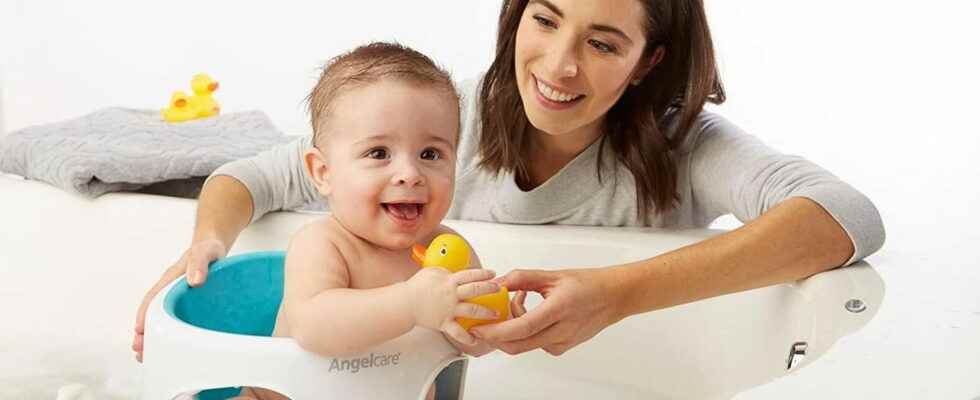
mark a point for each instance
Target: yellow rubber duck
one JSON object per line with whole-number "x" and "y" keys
{"x": 200, "y": 105}
{"x": 447, "y": 250}
{"x": 499, "y": 302}
{"x": 202, "y": 101}
{"x": 180, "y": 109}
{"x": 451, "y": 252}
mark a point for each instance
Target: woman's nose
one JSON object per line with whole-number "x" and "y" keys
{"x": 564, "y": 60}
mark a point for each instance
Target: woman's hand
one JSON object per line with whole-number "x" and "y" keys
{"x": 194, "y": 262}
{"x": 437, "y": 296}
{"x": 577, "y": 305}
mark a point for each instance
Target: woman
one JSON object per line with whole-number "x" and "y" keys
{"x": 591, "y": 114}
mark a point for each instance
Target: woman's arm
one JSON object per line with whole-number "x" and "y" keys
{"x": 236, "y": 194}
{"x": 732, "y": 172}
{"x": 800, "y": 220}
{"x": 240, "y": 192}
{"x": 275, "y": 179}
{"x": 223, "y": 212}
{"x": 794, "y": 240}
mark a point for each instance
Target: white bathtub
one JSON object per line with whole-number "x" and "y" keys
{"x": 73, "y": 270}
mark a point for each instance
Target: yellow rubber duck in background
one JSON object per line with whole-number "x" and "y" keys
{"x": 201, "y": 105}
{"x": 451, "y": 252}
{"x": 203, "y": 86}
{"x": 180, "y": 108}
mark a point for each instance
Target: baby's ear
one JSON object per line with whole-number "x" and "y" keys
{"x": 318, "y": 170}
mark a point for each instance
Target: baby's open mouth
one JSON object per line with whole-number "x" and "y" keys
{"x": 404, "y": 211}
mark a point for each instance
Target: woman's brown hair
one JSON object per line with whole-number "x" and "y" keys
{"x": 648, "y": 123}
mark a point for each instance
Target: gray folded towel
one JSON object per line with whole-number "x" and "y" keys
{"x": 118, "y": 149}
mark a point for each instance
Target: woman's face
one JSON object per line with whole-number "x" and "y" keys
{"x": 574, "y": 58}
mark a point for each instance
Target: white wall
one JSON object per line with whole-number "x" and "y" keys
{"x": 6, "y": 54}
{"x": 827, "y": 79}
{"x": 69, "y": 58}
{"x": 797, "y": 72}
{"x": 3, "y": 130}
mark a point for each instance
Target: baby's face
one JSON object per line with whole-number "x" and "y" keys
{"x": 390, "y": 153}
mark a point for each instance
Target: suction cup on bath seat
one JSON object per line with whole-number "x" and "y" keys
{"x": 217, "y": 337}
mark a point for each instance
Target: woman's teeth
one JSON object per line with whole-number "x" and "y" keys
{"x": 555, "y": 95}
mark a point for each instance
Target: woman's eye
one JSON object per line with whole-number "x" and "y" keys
{"x": 602, "y": 47}
{"x": 430, "y": 154}
{"x": 545, "y": 22}
{"x": 378, "y": 154}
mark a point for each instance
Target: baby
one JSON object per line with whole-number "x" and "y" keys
{"x": 386, "y": 126}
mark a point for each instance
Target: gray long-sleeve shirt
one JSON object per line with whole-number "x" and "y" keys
{"x": 722, "y": 170}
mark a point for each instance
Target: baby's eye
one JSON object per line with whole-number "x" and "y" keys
{"x": 430, "y": 154}
{"x": 378, "y": 154}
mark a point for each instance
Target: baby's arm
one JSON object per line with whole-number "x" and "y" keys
{"x": 327, "y": 317}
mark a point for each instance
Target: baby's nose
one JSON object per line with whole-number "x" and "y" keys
{"x": 409, "y": 176}
{"x": 410, "y": 181}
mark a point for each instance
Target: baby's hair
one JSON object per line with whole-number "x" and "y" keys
{"x": 368, "y": 64}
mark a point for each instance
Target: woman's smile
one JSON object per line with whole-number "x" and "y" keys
{"x": 576, "y": 56}
{"x": 555, "y": 98}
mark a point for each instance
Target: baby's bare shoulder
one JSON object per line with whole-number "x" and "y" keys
{"x": 323, "y": 231}
{"x": 314, "y": 234}
{"x": 318, "y": 245}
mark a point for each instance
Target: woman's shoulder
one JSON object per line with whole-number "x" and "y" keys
{"x": 469, "y": 106}
{"x": 709, "y": 127}
{"x": 470, "y": 124}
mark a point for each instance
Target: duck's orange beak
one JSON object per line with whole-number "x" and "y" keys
{"x": 418, "y": 253}
{"x": 213, "y": 86}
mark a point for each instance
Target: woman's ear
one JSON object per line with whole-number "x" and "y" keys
{"x": 642, "y": 70}
{"x": 318, "y": 169}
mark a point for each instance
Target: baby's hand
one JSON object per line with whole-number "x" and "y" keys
{"x": 437, "y": 298}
